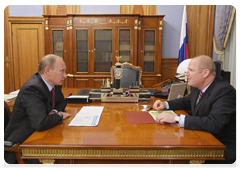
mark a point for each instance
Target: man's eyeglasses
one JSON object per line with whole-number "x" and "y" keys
{"x": 190, "y": 71}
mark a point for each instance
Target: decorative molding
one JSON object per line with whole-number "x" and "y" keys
{"x": 47, "y": 161}
{"x": 89, "y": 76}
{"x": 196, "y": 161}
{"x": 97, "y": 22}
{"x": 105, "y": 153}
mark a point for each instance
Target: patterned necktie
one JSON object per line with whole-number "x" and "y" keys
{"x": 200, "y": 95}
{"x": 53, "y": 97}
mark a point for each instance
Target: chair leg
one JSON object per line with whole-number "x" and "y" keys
{"x": 19, "y": 158}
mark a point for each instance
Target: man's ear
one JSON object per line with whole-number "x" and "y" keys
{"x": 47, "y": 70}
{"x": 206, "y": 73}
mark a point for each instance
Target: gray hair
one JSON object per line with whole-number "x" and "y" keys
{"x": 47, "y": 61}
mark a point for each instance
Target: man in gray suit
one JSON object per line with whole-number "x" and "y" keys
{"x": 40, "y": 103}
{"x": 213, "y": 104}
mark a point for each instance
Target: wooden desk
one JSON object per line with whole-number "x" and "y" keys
{"x": 114, "y": 140}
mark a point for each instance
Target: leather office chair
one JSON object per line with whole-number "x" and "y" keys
{"x": 131, "y": 76}
{"x": 8, "y": 145}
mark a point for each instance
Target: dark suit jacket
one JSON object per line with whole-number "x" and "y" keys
{"x": 215, "y": 112}
{"x": 31, "y": 108}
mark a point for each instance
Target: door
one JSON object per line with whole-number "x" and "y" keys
{"x": 27, "y": 51}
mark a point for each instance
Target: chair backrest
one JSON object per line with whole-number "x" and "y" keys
{"x": 131, "y": 75}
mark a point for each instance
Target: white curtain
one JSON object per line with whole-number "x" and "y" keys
{"x": 229, "y": 63}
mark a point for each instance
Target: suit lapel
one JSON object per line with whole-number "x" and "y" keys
{"x": 204, "y": 97}
{"x": 194, "y": 100}
{"x": 201, "y": 101}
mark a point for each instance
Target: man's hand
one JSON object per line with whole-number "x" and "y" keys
{"x": 65, "y": 115}
{"x": 159, "y": 105}
{"x": 165, "y": 118}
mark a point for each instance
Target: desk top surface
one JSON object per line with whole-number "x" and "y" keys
{"x": 114, "y": 131}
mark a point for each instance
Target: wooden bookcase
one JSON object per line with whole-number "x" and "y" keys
{"x": 89, "y": 43}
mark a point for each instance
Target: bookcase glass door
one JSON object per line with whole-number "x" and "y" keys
{"x": 82, "y": 50}
{"x": 124, "y": 45}
{"x": 103, "y": 40}
{"x": 58, "y": 43}
{"x": 149, "y": 50}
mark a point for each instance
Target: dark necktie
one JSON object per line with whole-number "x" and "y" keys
{"x": 53, "y": 97}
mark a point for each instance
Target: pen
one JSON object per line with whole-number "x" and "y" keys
{"x": 149, "y": 109}
{"x": 100, "y": 83}
{"x": 69, "y": 95}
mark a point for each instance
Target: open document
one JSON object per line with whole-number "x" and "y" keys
{"x": 155, "y": 113}
{"x": 87, "y": 116}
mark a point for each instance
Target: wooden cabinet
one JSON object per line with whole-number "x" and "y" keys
{"x": 89, "y": 44}
{"x": 150, "y": 49}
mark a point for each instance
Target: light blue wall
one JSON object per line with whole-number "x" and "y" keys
{"x": 171, "y": 29}
{"x": 26, "y": 10}
{"x": 171, "y": 22}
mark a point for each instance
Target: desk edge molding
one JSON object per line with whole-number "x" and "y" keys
{"x": 104, "y": 153}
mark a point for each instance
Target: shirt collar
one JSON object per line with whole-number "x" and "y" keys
{"x": 48, "y": 85}
{"x": 203, "y": 91}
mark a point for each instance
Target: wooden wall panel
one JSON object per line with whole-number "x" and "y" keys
{"x": 138, "y": 9}
{"x": 169, "y": 68}
{"x": 200, "y": 20}
{"x": 8, "y": 81}
{"x": 148, "y": 82}
{"x": 81, "y": 83}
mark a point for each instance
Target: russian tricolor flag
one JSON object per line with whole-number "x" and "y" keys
{"x": 183, "y": 49}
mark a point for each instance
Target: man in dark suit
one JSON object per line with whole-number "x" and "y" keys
{"x": 40, "y": 103}
{"x": 213, "y": 104}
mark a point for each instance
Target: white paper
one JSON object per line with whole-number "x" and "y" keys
{"x": 14, "y": 92}
{"x": 8, "y": 97}
{"x": 77, "y": 96}
{"x": 87, "y": 116}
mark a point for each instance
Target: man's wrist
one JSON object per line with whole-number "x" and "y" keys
{"x": 177, "y": 118}
{"x": 166, "y": 105}
{"x": 58, "y": 113}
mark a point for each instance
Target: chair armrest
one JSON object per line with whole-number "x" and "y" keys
{"x": 10, "y": 146}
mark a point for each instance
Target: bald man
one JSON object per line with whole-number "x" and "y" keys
{"x": 36, "y": 108}
{"x": 213, "y": 104}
